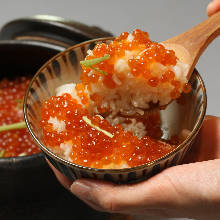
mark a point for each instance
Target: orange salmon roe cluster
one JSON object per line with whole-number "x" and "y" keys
{"x": 80, "y": 89}
{"x": 15, "y": 142}
{"x": 94, "y": 148}
{"x": 151, "y": 53}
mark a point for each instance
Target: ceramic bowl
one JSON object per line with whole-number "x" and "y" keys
{"x": 65, "y": 68}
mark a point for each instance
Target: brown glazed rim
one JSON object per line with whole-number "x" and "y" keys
{"x": 70, "y": 164}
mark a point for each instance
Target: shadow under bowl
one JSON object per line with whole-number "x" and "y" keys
{"x": 65, "y": 68}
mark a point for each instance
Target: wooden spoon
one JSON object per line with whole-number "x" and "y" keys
{"x": 190, "y": 45}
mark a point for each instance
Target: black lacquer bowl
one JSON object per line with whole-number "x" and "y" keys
{"x": 21, "y": 177}
{"x": 65, "y": 68}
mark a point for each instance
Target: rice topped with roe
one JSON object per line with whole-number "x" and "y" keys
{"x": 103, "y": 121}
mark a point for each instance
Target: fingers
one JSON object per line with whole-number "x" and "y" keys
{"x": 213, "y": 7}
{"x": 179, "y": 191}
{"x": 174, "y": 192}
{"x": 66, "y": 182}
{"x": 127, "y": 199}
{"x": 207, "y": 143}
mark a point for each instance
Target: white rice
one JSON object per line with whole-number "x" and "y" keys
{"x": 70, "y": 89}
{"x": 58, "y": 125}
{"x": 67, "y": 148}
{"x": 134, "y": 93}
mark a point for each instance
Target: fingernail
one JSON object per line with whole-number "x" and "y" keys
{"x": 80, "y": 189}
{"x": 84, "y": 191}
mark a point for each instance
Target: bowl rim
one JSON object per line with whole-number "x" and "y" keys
{"x": 26, "y": 161}
{"x": 98, "y": 170}
{"x": 23, "y": 27}
{"x": 30, "y": 43}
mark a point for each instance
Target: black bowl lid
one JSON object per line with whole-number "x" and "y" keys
{"x": 50, "y": 29}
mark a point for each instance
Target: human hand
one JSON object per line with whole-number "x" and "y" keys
{"x": 213, "y": 7}
{"x": 190, "y": 190}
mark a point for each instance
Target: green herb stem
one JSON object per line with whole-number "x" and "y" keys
{"x": 19, "y": 100}
{"x": 2, "y": 152}
{"x": 89, "y": 63}
{"x": 88, "y": 121}
{"x": 98, "y": 70}
{"x": 14, "y": 126}
{"x": 19, "y": 103}
{"x": 92, "y": 62}
{"x": 22, "y": 154}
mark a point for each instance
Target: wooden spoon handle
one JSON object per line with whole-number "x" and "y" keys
{"x": 196, "y": 39}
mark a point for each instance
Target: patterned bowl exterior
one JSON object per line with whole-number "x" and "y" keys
{"x": 65, "y": 68}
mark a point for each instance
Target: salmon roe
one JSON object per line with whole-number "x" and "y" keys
{"x": 140, "y": 67}
{"x": 80, "y": 89}
{"x": 93, "y": 148}
{"x": 14, "y": 142}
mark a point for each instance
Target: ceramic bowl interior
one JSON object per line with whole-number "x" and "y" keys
{"x": 176, "y": 118}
